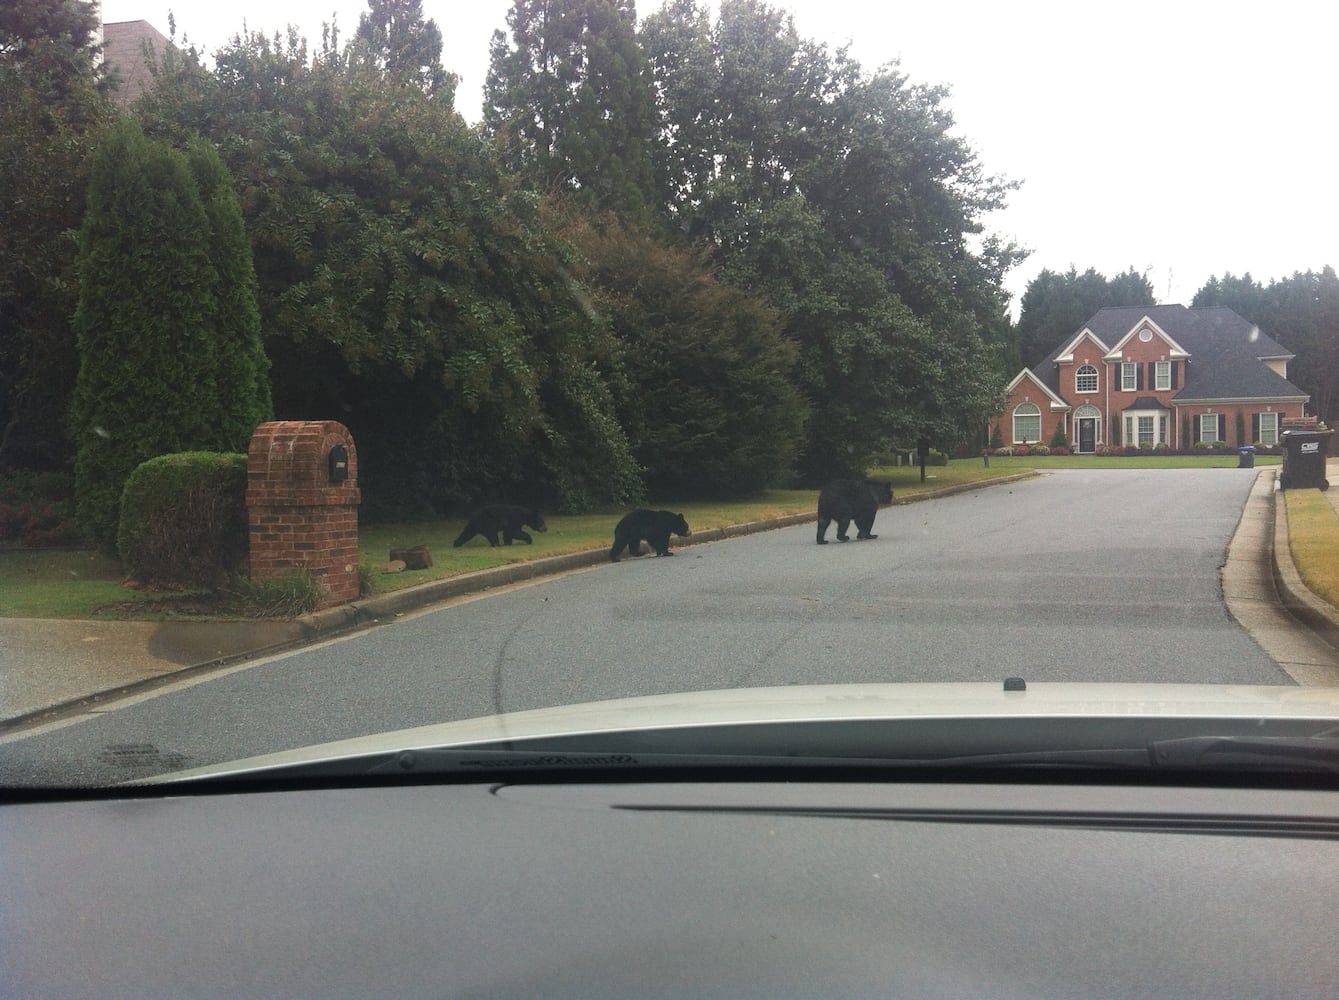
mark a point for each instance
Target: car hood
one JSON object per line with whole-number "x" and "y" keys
{"x": 834, "y": 722}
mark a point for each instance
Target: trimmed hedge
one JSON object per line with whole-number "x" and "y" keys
{"x": 183, "y": 520}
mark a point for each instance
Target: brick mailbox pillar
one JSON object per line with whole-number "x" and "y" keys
{"x": 302, "y": 505}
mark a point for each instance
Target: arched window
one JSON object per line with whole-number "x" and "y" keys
{"x": 1027, "y": 423}
{"x": 1085, "y": 379}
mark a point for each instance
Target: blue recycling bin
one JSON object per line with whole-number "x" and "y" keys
{"x": 1246, "y": 457}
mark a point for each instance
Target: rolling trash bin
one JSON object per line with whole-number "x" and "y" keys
{"x": 1246, "y": 457}
{"x": 1304, "y": 460}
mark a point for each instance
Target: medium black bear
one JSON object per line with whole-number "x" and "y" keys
{"x": 506, "y": 518}
{"x": 655, "y": 526}
{"x": 847, "y": 500}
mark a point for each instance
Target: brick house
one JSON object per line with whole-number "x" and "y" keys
{"x": 1155, "y": 375}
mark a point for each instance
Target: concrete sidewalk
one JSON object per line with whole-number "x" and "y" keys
{"x": 50, "y": 668}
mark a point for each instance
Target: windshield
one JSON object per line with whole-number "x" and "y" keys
{"x": 399, "y": 364}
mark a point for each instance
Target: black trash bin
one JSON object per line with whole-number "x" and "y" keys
{"x": 1304, "y": 460}
{"x": 1246, "y": 457}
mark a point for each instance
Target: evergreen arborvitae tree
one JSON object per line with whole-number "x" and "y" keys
{"x": 243, "y": 373}
{"x": 153, "y": 376}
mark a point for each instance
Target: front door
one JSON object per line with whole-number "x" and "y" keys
{"x": 1087, "y": 435}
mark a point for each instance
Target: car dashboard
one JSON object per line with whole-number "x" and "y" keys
{"x": 582, "y": 887}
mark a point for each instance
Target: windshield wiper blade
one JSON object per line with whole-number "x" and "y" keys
{"x": 1195, "y": 753}
{"x": 1234, "y": 753}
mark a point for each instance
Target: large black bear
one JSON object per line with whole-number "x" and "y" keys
{"x": 508, "y": 519}
{"x": 655, "y": 526}
{"x": 847, "y": 500}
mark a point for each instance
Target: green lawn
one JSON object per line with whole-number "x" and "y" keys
{"x": 50, "y": 584}
{"x": 1313, "y": 537}
{"x": 1122, "y": 462}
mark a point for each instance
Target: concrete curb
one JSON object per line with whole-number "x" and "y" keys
{"x": 368, "y": 613}
{"x": 1299, "y": 601}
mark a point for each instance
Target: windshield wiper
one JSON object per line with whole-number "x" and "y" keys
{"x": 1237, "y": 753}
{"x": 1196, "y": 753}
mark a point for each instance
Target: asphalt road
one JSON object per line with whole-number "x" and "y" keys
{"x": 1076, "y": 576}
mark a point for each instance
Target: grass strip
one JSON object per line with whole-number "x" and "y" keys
{"x": 1313, "y": 537}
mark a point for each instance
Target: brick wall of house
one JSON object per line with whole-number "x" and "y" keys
{"x": 299, "y": 520}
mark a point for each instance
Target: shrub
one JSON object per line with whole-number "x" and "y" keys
{"x": 183, "y": 520}
{"x": 285, "y": 598}
{"x": 1146, "y": 446}
{"x": 1041, "y": 449}
{"x": 1022, "y": 450}
{"x": 1007, "y": 451}
{"x": 36, "y": 509}
{"x": 170, "y": 356}
{"x": 1060, "y": 450}
{"x": 996, "y": 438}
{"x": 1058, "y": 439}
{"x": 1202, "y": 445}
{"x": 936, "y": 458}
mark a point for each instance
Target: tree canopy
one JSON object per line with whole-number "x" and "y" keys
{"x": 1056, "y": 304}
{"x": 1301, "y": 312}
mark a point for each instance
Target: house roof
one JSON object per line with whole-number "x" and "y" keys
{"x": 123, "y": 50}
{"x": 1225, "y": 350}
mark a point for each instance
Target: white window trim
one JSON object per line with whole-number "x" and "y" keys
{"x": 1131, "y": 425}
{"x": 1162, "y": 375}
{"x": 1130, "y": 369}
{"x": 1271, "y": 438}
{"x": 1088, "y": 372}
{"x": 1014, "y": 423}
{"x": 1203, "y": 417}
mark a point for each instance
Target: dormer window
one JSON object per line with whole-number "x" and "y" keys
{"x": 1085, "y": 379}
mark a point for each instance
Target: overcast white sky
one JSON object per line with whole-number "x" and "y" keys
{"x": 1184, "y": 139}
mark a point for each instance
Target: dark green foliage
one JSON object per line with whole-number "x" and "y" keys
{"x": 708, "y": 404}
{"x": 153, "y": 377}
{"x": 996, "y": 438}
{"x": 1058, "y": 439}
{"x": 408, "y": 287}
{"x": 37, "y": 509}
{"x": 394, "y": 38}
{"x": 1301, "y": 312}
{"x": 51, "y": 99}
{"x": 183, "y": 520}
{"x": 844, "y": 200}
{"x": 242, "y": 374}
{"x": 569, "y": 104}
{"x": 1055, "y": 306}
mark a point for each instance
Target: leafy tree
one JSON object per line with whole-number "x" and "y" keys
{"x": 394, "y": 38}
{"x": 150, "y": 351}
{"x": 1301, "y": 312}
{"x": 52, "y": 100}
{"x": 844, "y": 199}
{"x": 707, "y": 400}
{"x": 1243, "y": 295}
{"x": 405, "y": 281}
{"x": 1056, "y": 305}
{"x": 568, "y": 101}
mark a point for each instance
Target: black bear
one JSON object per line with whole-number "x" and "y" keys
{"x": 506, "y": 518}
{"x": 655, "y": 526}
{"x": 847, "y": 500}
